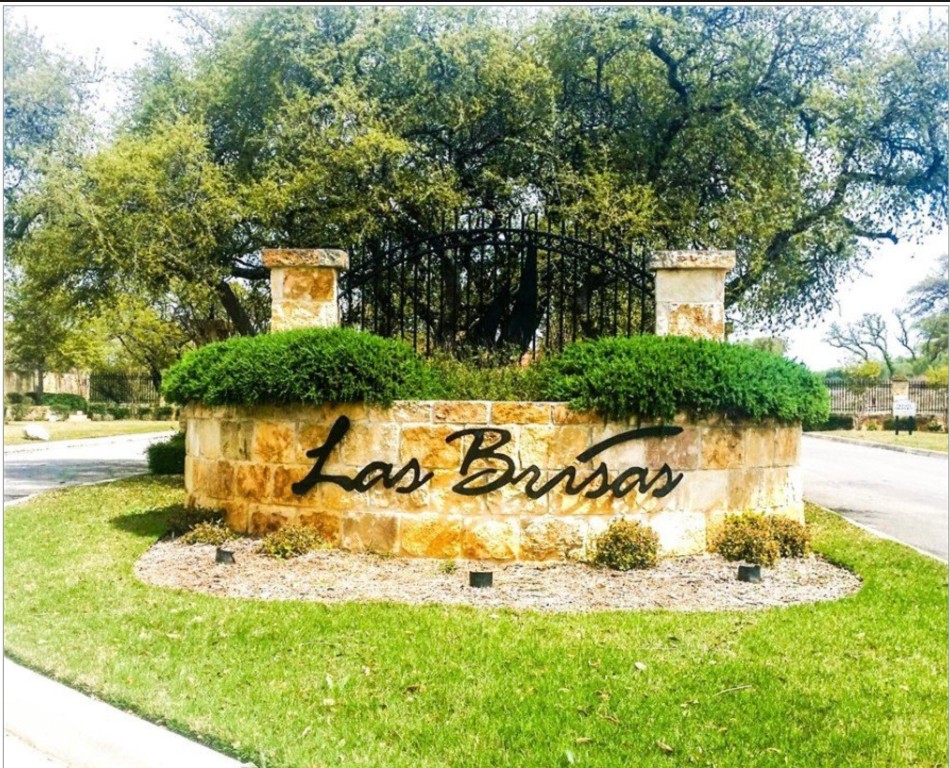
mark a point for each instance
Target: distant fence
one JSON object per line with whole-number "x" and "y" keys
{"x": 122, "y": 388}
{"x": 878, "y": 399}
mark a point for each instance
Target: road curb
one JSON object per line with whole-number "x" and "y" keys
{"x": 868, "y": 444}
{"x": 87, "y": 733}
{"x": 85, "y": 441}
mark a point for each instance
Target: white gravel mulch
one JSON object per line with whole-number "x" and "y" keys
{"x": 695, "y": 583}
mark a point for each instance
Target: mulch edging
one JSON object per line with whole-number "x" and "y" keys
{"x": 695, "y": 583}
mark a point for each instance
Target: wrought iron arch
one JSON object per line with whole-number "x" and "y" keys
{"x": 497, "y": 290}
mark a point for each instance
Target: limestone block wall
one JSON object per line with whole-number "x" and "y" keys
{"x": 254, "y": 463}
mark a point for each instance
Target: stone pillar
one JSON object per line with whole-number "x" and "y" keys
{"x": 303, "y": 287}
{"x": 690, "y": 292}
{"x": 900, "y": 388}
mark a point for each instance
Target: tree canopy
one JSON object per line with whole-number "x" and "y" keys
{"x": 797, "y": 136}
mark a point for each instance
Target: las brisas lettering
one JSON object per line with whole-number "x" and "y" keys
{"x": 486, "y": 446}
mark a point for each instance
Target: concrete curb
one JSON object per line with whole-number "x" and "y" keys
{"x": 90, "y": 442}
{"x": 86, "y": 733}
{"x": 869, "y": 444}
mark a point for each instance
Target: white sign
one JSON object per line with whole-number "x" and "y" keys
{"x": 904, "y": 407}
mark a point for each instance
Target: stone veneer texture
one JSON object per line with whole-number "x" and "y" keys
{"x": 245, "y": 459}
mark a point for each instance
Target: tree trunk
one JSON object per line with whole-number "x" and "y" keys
{"x": 39, "y": 383}
{"x": 236, "y": 313}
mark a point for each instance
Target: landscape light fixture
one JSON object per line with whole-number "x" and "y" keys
{"x": 480, "y": 579}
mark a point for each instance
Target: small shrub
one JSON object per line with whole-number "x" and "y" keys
{"x": 20, "y": 410}
{"x": 208, "y": 533}
{"x": 448, "y": 567}
{"x": 625, "y": 545}
{"x": 13, "y": 398}
{"x": 168, "y": 457}
{"x": 183, "y": 519}
{"x": 476, "y": 380}
{"x": 97, "y": 409}
{"x": 871, "y": 426}
{"x": 791, "y": 536}
{"x": 291, "y": 541}
{"x": 163, "y": 413}
{"x": 119, "y": 412}
{"x": 934, "y": 426}
{"x": 746, "y": 537}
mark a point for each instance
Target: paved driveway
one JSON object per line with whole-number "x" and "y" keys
{"x": 49, "y": 465}
{"x": 901, "y": 495}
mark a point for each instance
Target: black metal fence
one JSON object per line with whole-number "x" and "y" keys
{"x": 877, "y": 398}
{"x": 501, "y": 287}
{"x": 122, "y": 388}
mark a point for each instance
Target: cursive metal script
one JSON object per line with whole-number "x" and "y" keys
{"x": 411, "y": 476}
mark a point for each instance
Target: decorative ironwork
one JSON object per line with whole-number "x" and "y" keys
{"x": 497, "y": 288}
{"x": 122, "y": 388}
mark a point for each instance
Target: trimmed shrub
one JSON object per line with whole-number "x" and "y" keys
{"x": 163, "y": 413}
{"x": 625, "y": 545}
{"x": 291, "y": 541}
{"x": 657, "y": 377}
{"x": 645, "y": 376}
{"x": 313, "y": 365}
{"x": 119, "y": 412}
{"x": 208, "y": 533}
{"x": 97, "y": 409}
{"x": 20, "y": 410}
{"x": 748, "y": 538}
{"x": 791, "y": 536}
{"x": 183, "y": 519}
{"x": 62, "y": 403}
{"x": 167, "y": 457}
{"x": 835, "y": 421}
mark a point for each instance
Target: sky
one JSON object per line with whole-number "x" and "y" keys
{"x": 119, "y": 37}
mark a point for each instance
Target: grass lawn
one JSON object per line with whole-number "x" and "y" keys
{"x": 932, "y": 441}
{"x": 73, "y": 430}
{"x": 858, "y": 682}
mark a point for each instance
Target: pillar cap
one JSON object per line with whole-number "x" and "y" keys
{"x": 693, "y": 260}
{"x": 305, "y": 257}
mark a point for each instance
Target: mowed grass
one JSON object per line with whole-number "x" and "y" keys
{"x": 74, "y": 430}
{"x": 858, "y": 682}
{"x": 931, "y": 441}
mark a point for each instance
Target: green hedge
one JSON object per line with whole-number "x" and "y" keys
{"x": 647, "y": 376}
{"x": 313, "y": 365}
{"x": 658, "y": 377}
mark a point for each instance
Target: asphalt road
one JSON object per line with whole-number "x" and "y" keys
{"x": 901, "y": 495}
{"x": 48, "y": 465}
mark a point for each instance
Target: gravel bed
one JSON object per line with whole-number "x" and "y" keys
{"x": 695, "y": 583}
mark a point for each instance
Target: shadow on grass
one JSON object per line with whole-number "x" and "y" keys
{"x": 152, "y": 523}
